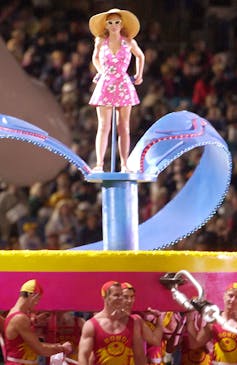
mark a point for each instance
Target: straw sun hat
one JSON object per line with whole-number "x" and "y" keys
{"x": 130, "y": 22}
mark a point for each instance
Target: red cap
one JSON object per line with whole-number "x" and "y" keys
{"x": 105, "y": 287}
{"x": 126, "y": 285}
{"x": 232, "y": 286}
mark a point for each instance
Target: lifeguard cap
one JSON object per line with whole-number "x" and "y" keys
{"x": 126, "y": 285}
{"x": 232, "y": 286}
{"x": 32, "y": 286}
{"x": 106, "y": 286}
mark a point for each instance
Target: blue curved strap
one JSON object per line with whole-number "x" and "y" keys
{"x": 169, "y": 138}
{"x": 18, "y": 129}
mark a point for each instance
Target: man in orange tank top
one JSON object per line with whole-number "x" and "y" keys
{"x": 22, "y": 345}
{"x": 110, "y": 337}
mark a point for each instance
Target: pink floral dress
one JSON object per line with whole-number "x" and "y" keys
{"x": 114, "y": 87}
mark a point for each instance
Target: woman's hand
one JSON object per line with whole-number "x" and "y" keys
{"x": 96, "y": 78}
{"x": 137, "y": 80}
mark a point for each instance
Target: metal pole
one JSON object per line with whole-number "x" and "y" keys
{"x": 113, "y": 141}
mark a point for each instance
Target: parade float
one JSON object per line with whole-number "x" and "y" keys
{"x": 129, "y": 251}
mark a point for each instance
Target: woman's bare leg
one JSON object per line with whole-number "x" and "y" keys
{"x": 123, "y": 125}
{"x": 104, "y": 115}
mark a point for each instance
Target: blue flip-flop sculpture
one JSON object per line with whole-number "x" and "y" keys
{"x": 166, "y": 140}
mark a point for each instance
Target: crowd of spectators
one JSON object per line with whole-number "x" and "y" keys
{"x": 55, "y": 46}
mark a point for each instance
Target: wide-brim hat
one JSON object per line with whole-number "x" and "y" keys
{"x": 130, "y": 22}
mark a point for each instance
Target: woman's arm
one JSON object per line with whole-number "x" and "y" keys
{"x": 140, "y": 60}
{"x": 95, "y": 55}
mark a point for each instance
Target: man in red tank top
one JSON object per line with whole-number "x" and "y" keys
{"x": 110, "y": 337}
{"x": 152, "y": 337}
{"x": 22, "y": 345}
{"x": 224, "y": 340}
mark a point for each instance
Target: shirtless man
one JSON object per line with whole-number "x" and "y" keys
{"x": 224, "y": 342}
{"x": 111, "y": 337}
{"x": 22, "y": 345}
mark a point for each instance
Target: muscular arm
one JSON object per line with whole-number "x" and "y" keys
{"x": 140, "y": 60}
{"x": 198, "y": 338}
{"x": 21, "y": 325}
{"x": 86, "y": 344}
{"x": 138, "y": 345}
{"x": 152, "y": 337}
{"x": 95, "y": 55}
